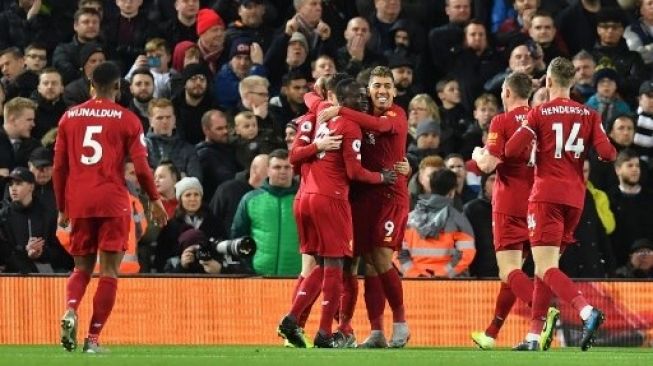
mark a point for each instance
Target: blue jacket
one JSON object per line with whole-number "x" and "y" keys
{"x": 225, "y": 85}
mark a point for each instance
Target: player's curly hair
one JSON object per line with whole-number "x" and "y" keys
{"x": 562, "y": 71}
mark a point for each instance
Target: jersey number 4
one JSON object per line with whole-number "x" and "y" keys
{"x": 572, "y": 144}
{"x": 93, "y": 145}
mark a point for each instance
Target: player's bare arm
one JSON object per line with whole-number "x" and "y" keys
{"x": 486, "y": 162}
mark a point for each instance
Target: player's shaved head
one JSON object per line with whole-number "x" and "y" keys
{"x": 348, "y": 94}
{"x": 106, "y": 77}
{"x": 562, "y": 72}
{"x": 520, "y": 84}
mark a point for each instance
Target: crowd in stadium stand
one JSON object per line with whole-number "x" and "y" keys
{"x": 218, "y": 85}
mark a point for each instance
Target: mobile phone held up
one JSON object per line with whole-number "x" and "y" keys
{"x": 153, "y": 61}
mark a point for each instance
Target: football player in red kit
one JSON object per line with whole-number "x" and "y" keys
{"x": 563, "y": 130}
{"x": 94, "y": 140}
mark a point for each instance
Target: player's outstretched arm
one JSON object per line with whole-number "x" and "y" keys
{"x": 485, "y": 161}
{"x": 602, "y": 145}
{"x": 60, "y": 171}
{"x": 520, "y": 142}
{"x": 364, "y": 120}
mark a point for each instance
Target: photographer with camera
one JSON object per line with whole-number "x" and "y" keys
{"x": 209, "y": 255}
{"x": 190, "y": 214}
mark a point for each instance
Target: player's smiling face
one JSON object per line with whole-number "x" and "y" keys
{"x": 382, "y": 91}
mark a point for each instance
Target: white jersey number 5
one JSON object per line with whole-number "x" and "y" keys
{"x": 93, "y": 144}
{"x": 573, "y": 143}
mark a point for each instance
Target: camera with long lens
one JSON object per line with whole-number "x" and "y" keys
{"x": 243, "y": 247}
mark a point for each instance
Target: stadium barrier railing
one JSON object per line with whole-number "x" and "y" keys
{"x": 217, "y": 310}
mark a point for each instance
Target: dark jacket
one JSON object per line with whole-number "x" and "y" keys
{"x": 66, "y": 59}
{"x": 181, "y": 153}
{"x": 47, "y": 114}
{"x": 479, "y": 214}
{"x": 281, "y": 112}
{"x": 23, "y": 86}
{"x": 591, "y": 256}
{"x": 10, "y": 159}
{"x": 125, "y": 52}
{"x": 344, "y": 63}
{"x": 16, "y": 30}
{"x": 227, "y": 197}
{"x": 632, "y": 213}
{"x": 174, "y": 32}
{"x": 218, "y": 163}
{"x": 578, "y": 26}
{"x": 630, "y": 68}
{"x": 189, "y": 118}
{"x": 17, "y": 225}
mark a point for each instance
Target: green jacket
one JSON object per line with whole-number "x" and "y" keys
{"x": 266, "y": 214}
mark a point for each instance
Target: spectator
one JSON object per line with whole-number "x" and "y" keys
{"x": 290, "y": 103}
{"x": 577, "y": 23}
{"x": 166, "y": 176}
{"x": 141, "y": 88}
{"x": 543, "y": 31}
{"x": 36, "y": 57}
{"x": 404, "y": 41}
{"x": 435, "y": 226}
{"x": 66, "y": 56}
{"x": 427, "y": 144}
{"x": 606, "y": 101}
{"x": 291, "y": 133}
{"x": 638, "y": 35}
{"x": 49, "y": 99}
{"x": 211, "y": 34}
{"x": 640, "y": 261}
{"x": 585, "y": 66}
{"x": 216, "y": 155}
{"x": 591, "y": 255}
{"x": 254, "y": 97}
{"x": 420, "y": 182}
{"x": 250, "y": 140}
{"x": 251, "y": 24}
{"x": 387, "y": 14}
{"x": 516, "y": 27}
{"x": 90, "y": 56}
{"x": 287, "y": 53}
{"x": 486, "y": 106}
{"x": 17, "y": 80}
{"x": 276, "y": 240}
{"x": 644, "y": 132}
{"x": 402, "y": 73}
{"x": 40, "y": 164}
{"x": 245, "y": 59}
{"x": 157, "y": 59}
{"x": 27, "y": 231}
{"x": 421, "y": 108}
{"x": 191, "y": 105}
{"x": 125, "y": 33}
{"x": 227, "y": 197}
{"x": 323, "y": 66}
{"x": 479, "y": 213}
{"x": 521, "y": 60}
{"x": 308, "y": 21}
{"x": 464, "y": 191}
{"x": 453, "y": 114}
{"x": 355, "y": 55}
{"x": 449, "y": 36}
{"x": 183, "y": 26}
{"x": 185, "y": 53}
{"x": 22, "y": 23}
{"x": 16, "y": 143}
{"x": 632, "y": 205}
{"x": 610, "y": 23}
{"x": 162, "y": 144}
{"x": 190, "y": 214}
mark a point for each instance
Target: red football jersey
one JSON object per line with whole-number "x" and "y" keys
{"x": 381, "y": 150}
{"x": 564, "y": 130}
{"x": 514, "y": 177}
{"x": 93, "y": 142}
{"x": 331, "y": 172}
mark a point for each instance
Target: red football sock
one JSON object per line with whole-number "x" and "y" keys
{"x": 564, "y": 288}
{"x": 298, "y": 284}
{"x": 505, "y": 300}
{"x": 542, "y": 296}
{"x": 76, "y": 287}
{"x": 348, "y": 302}
{"x": 308, "y": 292}
{"x": 394, "y": 293}
{"x": 331, "y": 294}
{"x": 374, "y": 301}
{"x": 105, "y": 297}
{"x": 301, "y": 321}
{"x": 521, "y": 286}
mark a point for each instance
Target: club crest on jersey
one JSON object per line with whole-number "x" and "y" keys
{"x": 391, "y": 114}
{"x": 307, "y": 126}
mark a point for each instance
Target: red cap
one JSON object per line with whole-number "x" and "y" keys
{"x": 206, "y": 19}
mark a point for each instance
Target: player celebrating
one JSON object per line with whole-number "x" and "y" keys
{"x": 512, "y": 187}
{"x": 93, "y": 141}
{"x": 327, "y": 191}
{"x": 563, "y": 130}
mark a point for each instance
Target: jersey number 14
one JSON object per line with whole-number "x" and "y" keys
{"x": 572, "y": 143}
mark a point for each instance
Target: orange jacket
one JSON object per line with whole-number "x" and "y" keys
{"x": 439, "y": 241}
{"x": 137, "y": 227}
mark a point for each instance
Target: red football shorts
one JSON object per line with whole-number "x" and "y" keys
{"x": 378, "y": 224}
{"x": 305, "y": 229}
{"x": 509, "y": 232}
{"x": 331, "y": 226}
{"x": 552, "y": 223}
{"x": 108, "y": 234}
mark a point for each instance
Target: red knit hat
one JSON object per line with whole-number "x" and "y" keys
{"x": 207, "y": 18}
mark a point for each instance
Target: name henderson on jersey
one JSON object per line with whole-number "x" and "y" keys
{"x": 564, "y": 109}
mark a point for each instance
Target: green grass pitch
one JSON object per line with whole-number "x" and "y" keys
{"x": 272, "y": 356}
